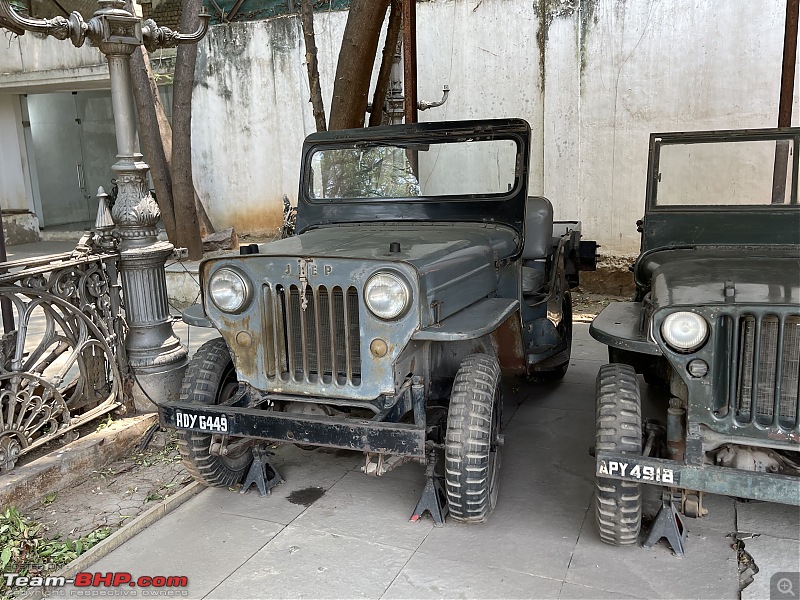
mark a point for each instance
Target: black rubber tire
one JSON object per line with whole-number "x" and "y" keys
{"x": 565, "y": 332}
{"x": 472, "y": 450}
{"x": 619, "y": 430}
{"x": 210, "y": 379}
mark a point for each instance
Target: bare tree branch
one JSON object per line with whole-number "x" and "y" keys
{"x": 307, "y": 19}
{"x": 151, "y": 137}
{"x": 187, "y": 227}
{"x": 389, "y": 48}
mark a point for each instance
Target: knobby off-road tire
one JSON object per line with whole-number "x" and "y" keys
{"x": 472, "y": 452}
{"x": 565, "y": 332}
{"x": 619, "y": 430}
{"x": 210, "y": 379}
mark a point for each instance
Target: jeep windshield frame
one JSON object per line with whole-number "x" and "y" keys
{"x": 480, "y": 205}
{"x": 752, "y": 223}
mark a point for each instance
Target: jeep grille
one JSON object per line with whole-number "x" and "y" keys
{"x": 769, "y": 366}
{"x": 319, "y": 344}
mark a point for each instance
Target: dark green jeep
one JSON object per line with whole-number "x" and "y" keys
{"x": 421, "y": 268}
{"x": 716, "y": 321}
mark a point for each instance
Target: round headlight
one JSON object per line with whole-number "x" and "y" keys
{"x": 229, "y": 290}
{"x": 387, "y": 295}
{"x": 684, "y": 331}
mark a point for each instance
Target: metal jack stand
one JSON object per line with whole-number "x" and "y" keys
{"x": 262, "y": 472}
{"x": 668, "y": 524}
{"x": 433, "y": 498}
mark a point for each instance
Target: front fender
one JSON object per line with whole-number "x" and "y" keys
{"x": 477, "y": 320}
{"x": 621, "y": 325}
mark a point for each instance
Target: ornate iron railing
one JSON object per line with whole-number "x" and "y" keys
{"x": 63, "y": 363}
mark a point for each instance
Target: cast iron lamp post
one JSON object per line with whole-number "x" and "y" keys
{"x": 155, "y": 354}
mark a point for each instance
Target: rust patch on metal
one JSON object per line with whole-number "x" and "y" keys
{"x": 508, "y": 340}
{"x": 246, "y": 357}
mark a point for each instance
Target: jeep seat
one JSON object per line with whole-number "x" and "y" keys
{"x": 538, "y": 242}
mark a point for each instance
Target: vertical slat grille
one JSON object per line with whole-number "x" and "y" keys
{"x": 320, "y": 343}
{"x": 769, "y": 368}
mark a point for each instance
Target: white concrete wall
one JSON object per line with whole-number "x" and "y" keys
{"x": 13, "y": 165}
{"x": 250, "y": 114}
{"x": 15, "y": 182}
{"x": 31, "y": 64}
{"x": 639, "y": 67}
{"x": 613, "y": 72}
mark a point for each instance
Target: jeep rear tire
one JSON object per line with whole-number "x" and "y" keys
{"x": 211, "y": 379}
{"x": 472, "y": 444}
{"x": 564, "y": 330}
{"x": 619, "y": 430}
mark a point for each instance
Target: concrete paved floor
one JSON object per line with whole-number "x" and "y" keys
{"x": 541, "y": 541}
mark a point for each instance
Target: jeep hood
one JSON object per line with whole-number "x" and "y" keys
{"x": 455, "y": 262}
{"x": 695, "y": 277}
{"x": 420, "y": 245}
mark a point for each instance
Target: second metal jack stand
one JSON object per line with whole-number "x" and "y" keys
{"x": 262, "y": 473}
{"x": 668, "y": 524}
{"x": 433, "y": 498}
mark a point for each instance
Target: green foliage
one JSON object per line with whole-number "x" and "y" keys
{"x": 165, "y": 455}
{"x": 26, "y": 552}
{"x": 104, "y": 423}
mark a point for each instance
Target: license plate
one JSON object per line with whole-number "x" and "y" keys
{"x": 635, "y": 470}
{"x": 215, "y": 423}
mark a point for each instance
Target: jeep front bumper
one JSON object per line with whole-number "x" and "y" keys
{"x": 350, "y": 434}
{"x": 770, "y": 487}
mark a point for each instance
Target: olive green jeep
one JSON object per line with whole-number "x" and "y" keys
{"x": 716, "y": 322}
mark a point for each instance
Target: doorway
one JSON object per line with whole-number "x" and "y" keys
{"x": 74, "y": 146}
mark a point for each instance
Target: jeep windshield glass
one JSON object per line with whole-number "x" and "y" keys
{"x": 374, "y": 171}
{"x": 731, "y": 173}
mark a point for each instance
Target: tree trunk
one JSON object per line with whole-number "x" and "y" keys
{"x": 307, "y": 19}
{"x": 206, "y": 227}
{"x": 356, "y": 57}
{"x": 186, "y": 222}
{"x": 151, "y": 137}
{"x": 389, "y": 48}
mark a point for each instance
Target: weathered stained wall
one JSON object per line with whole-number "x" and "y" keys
{"x": 251, "y": 113}
{"x": 593, "y": 77}
{"x": 618, "y": 70}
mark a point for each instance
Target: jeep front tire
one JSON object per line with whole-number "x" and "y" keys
{"x": 211, "y": 379}
{"x": 619, "y": 430}
{"x": 472, "y": 445}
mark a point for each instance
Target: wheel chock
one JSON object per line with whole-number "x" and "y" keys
{"x": 262, "y": 472}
